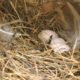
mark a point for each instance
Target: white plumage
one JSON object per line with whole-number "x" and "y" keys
{"x": 58, "y": 45}
{"x": 6, "y": 33}
{"x": 45, "y": 35}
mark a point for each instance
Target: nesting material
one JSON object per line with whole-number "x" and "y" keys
{"x": 58, "y": 45}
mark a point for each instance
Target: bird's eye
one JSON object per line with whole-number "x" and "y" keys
{"x": 50, "y": 39}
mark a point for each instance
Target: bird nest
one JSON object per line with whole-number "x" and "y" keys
{"x": 25, "y": 57}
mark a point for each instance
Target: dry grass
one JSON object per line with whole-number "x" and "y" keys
{"x": 26, "y": 58}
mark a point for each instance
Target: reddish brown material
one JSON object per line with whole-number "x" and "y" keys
{"x": 50, "y": 6}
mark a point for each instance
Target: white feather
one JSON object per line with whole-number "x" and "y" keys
{"x": 45, "y": 35}
{"x": 57, "y": 44}
{"x": 7, "y": 33}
